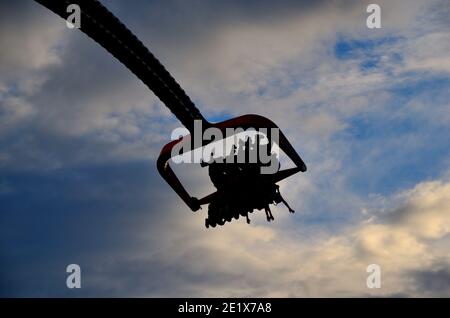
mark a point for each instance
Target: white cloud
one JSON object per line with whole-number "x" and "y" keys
{"x": 262, "y": 260}
{"x": 29, "y": 39}
{"x": 429, "y": 52}
{"x": 283, "y": 68}
{"x": 427, "y": 214}
{"x": 14, "y": 111}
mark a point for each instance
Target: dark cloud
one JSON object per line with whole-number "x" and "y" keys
{"x": 434, "y": 281}
{"x": 81, "y": 215}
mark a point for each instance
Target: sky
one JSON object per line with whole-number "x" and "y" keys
{"x": 367, "y": 109}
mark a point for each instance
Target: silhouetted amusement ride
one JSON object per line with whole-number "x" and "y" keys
{"x": 241, "y": 188}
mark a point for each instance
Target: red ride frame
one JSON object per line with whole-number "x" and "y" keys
{"x": 244, "y": 122}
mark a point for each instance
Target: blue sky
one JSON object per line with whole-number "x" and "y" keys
{"x": 368, "y": 111}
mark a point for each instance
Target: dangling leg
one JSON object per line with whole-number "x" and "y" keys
{"x": 284, "y": 201}
{"x": 287, "y": 205}
{"x": 248, "y": 220}
{"x": 269, "y": 215}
